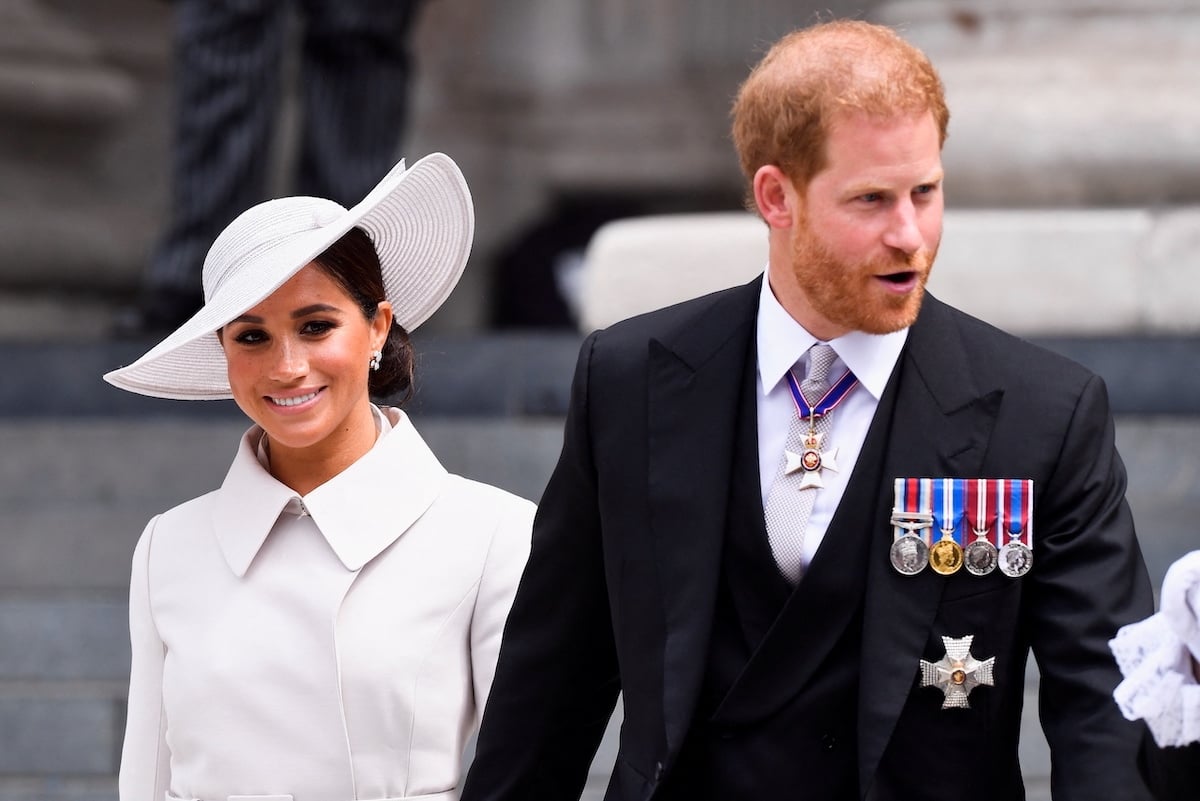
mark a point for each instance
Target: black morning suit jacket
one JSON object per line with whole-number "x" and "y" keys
{"x": 620, "y": 591}
{"x": 1173, "y": 773}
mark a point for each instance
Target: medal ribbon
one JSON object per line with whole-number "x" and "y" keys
{"x": 917, "y": 494}
{"x": 914, "y": 495}
{"x": 1000, "y": 500}
{"x": 1017, "y": 495}
{"x": 949, "y": 494}
{"x": 836, "y": 394}
{"x": 981, "y": 506}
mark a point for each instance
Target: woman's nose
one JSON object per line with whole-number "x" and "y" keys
{"x": 290, "y": 361}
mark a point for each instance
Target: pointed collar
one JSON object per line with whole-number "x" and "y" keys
{"x": 782, "y": 342}
{"x": 360, "y": 511}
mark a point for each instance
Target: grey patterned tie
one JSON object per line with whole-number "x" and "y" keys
{"x": 788, "y": 506}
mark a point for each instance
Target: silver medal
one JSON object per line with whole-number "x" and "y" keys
{"x": 909, "y": 554}
{"x": 1015, "y": 559}
{"x": 980, "y": 557}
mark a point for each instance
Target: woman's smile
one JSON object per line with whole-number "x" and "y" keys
{"x": 294, "y": 401}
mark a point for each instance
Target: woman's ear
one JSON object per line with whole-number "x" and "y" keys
{"x": 381, "y": 324}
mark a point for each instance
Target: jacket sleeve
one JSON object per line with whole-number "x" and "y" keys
{"x": 1173, "y": 773}
{"x": 556, "y": 682}
{"x": 145, "y": 760}
{"x": 502, "y": 569}
{"x": 1089, "y": 581}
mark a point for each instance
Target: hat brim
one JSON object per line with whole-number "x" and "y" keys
{"x": 421, "y": 221}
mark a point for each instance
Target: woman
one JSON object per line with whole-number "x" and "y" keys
{"x": 1160, "y": 660}
{"x": 325, "y": 625}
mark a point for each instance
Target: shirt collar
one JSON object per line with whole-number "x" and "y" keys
{"x": 360, "y": 512}
{"x": 781, "y": 342}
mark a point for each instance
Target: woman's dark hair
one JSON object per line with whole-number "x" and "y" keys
{"x": 353, "y": 263}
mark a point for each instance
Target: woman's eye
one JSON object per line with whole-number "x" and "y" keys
{"x": 316, "y": 327}
{"x": 250, "y": 337}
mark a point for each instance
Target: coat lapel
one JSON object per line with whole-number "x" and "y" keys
{"x": 694, "y": 386}
{"x": 943, "y": 419}
{"x": 370, "y": 505}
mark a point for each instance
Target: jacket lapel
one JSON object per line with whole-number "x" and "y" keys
{"x": 943, "y": 419}
{"x": 694, "y": 385}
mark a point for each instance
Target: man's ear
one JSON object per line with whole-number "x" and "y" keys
{"x": 775, "y": 195}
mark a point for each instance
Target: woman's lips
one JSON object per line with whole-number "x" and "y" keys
{"x": 293, "y": 401}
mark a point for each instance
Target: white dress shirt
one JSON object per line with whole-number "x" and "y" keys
{"x": 782, "y": 344}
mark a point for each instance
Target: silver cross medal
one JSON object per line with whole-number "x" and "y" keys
{"x": 957, "y": 673}
{"x": 812, "y": 460}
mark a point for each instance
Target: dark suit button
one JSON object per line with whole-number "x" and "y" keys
{"x": 828, "y": 741}
{"x": 658, "y": 772}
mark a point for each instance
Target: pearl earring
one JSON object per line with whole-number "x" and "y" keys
{"x": 376, "y": 357}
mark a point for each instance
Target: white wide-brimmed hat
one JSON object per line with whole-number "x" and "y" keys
{"x": 420, "y": 220}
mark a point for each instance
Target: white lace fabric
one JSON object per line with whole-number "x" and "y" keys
{"x": 1156, "y": 658}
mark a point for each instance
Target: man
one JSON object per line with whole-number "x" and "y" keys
{"x": 715, "y": 541}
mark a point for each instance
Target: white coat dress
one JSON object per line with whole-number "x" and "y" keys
{"x": 335, "y": 647}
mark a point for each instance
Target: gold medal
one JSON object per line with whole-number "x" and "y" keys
{"x": 946, "y": 556}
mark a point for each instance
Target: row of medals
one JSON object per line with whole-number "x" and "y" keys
{"x": 910, "y": 553}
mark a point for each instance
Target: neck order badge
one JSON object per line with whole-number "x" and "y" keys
{"x": 812, "y": 460}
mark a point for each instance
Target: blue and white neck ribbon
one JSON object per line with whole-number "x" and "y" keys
{"x": 835, "y": 395}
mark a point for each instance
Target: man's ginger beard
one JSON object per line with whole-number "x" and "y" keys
{"x": 845, "y": 293}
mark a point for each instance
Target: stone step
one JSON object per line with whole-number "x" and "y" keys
{"x": 58, "y": 788}
{"x": 64, "y": 639}
{"x": 1061, "y": 273}
{"x": 52, "y": 71}
{"x": 60, "y": 729}
{"x": 1071, "y": 103}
